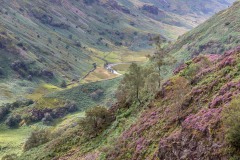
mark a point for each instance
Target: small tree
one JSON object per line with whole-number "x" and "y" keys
{"x": 160, "y": 58}
{"x": 134, "y": 80}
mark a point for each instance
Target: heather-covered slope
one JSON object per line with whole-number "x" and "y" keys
{"x": 49, "y": 41}
{"x": 186, "y": 120}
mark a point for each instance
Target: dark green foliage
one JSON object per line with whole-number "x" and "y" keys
{"x": 232, "y": 123}
{"x": 96, "y": 95}
{"x": 21, "y": 103}
{"x": 132, "y": 83}
{"x": 159, "y": 58}
{"x": 97, "y": 119}
{"x": 13, "y": 121}
{"x": 37, "y": 138}
{"x": 4, "y": 110}
{"x": 63, "y": 84}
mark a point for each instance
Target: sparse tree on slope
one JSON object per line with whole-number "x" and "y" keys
{"x": 134, "y": 80}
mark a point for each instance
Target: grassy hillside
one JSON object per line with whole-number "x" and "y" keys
{"x": 184, "y": 120}
{"x": 66, "y": 37}
{"x": 31, "y": 117}
{"x": 191, "y": 117}
{"x": 218, "y": 34}
{"x": 51, "y": 41}
{"x": 44, "y": 44}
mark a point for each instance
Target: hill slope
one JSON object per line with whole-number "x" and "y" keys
{"x": 66, "y": 37}
{"x": 218, "y": 34}
{"x": 192, "y": 117}
{"x": 51, "y": 41}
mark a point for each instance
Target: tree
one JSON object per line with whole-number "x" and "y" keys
{"x": 134, "y": 80}
{"x": 180, "y": 88}
{"x": 160, "y": 58}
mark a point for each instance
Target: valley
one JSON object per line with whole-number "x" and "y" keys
{"x": 69, "y": 65}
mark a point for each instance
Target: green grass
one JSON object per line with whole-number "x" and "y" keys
{"x": 218, "y": 34}
{"x": 81, "y": 94}
{"x": 11, "y": 140}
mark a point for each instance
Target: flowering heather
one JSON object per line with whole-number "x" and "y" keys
{"x": 203, "y": 119}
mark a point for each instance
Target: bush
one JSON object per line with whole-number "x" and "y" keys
{"x": 71, "y": 107}
{"x": 13, "y": 121}
{"x": 63, "y": 84}
{"x": 232, "y": 124}
{"x": 47, "y": 120}
{"x": 36, "y": 138}
{"x": 96, "y": 95}
{"x": 3, "y": 112}
{"x": 97, "y": 119}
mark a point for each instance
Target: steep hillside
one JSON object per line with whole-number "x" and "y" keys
{"x": 67, "y": 43}
{"x": 51, "y": 41}
{"x": 188, "y": 119}
{"x": 20, "y": 118}
{"x": 62, "y": 38}
{"x": 218, "y": 34}
{"x": 193, "y": 116}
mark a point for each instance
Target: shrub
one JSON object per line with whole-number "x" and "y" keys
{"x": 13, "y": 121}
{"x": 97, "y": 119}
{"x": 71, "y": 107}
{"x": 3, "y": 112}
{"x": 63, "y": 84}
{"x": 232, "y": 124}
{"x": 47, "y": 120}
{"x": 96, "y": 95}
{"x": 36, "y": 138}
